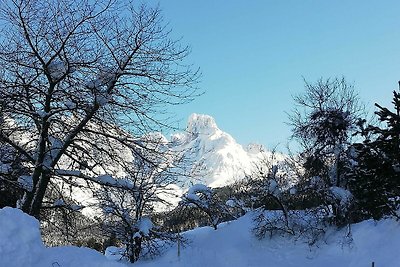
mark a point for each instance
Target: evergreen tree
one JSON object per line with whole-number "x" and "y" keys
{"x": 375, "y": 176}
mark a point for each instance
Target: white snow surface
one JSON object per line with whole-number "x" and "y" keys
{"x": 233, "y": 244}
{"x": 21, "y": 246}
{"x": 114, "y": 253}
{"x": 109, "y": 180}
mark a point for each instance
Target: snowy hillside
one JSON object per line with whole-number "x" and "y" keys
{"x": 232, "y": 244}
{"x": 216, "y": 157}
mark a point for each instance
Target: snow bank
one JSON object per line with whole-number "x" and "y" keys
{"x": 20, "y": 242}
{"x": 114, "y": 253}
{"x": 234, "y": 245}
{"x": 21, "y": 246}
{"x": 231, "y": 245}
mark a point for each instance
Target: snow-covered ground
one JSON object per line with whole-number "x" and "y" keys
{"x": 234, "y": 245}
{"x": 21, "y": 246}
{"x": 230, "y": 245}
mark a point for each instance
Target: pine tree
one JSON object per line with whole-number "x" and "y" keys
{"x": 375, "y": 178}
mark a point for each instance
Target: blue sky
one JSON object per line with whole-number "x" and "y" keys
{"x": 254, "y": 54}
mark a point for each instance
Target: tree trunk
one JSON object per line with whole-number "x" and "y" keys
{"x": 40, "y": 192}
{"x": 32, "y": 202}
{"x": 29, "y": 196}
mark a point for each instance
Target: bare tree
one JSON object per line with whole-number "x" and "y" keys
{"x": 266, "y": 188}
{"x": 81, "y": 76}
{"x": 128, "y": 210}
{"x": 324, "y": 123}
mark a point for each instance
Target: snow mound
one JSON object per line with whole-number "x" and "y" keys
{"x": 20, "y": 242}
{"x": 21, "y": 246}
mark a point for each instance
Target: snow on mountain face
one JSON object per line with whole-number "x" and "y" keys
{"x": 201, "y": 124}
{"x": 216, "y": 158}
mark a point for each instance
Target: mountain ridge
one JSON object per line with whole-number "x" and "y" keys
{"x": 217, "y": 158}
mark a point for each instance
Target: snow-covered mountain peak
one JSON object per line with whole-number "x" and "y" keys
{"x": 216, "y": 159}
{"x": 201, "y": 124}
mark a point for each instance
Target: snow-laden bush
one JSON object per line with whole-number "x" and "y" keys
{"x": 206, "y": 200}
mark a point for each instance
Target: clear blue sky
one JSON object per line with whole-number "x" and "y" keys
{"x": 253, "y": 55}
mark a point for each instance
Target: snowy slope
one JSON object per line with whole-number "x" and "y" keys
{"x": 234, "y": 245}
{"x": 21, "y": 246}
{"x": 216, "y": 158}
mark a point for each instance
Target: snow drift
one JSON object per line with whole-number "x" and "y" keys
{"x": 233, "y": 244}
{"x": 22, "y": 246}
